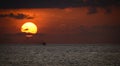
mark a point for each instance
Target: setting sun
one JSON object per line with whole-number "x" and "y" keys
{"x": 29, "y": 28}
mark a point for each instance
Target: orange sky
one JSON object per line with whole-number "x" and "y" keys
{"x": 56, "y": 21}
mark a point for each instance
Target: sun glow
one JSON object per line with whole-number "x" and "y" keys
{"x": 29, "y": 28}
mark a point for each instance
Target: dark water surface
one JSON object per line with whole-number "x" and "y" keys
{"x": 59, "y": 55}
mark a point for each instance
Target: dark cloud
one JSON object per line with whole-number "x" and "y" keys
{"x": 99, "y": 31}
{"x": 103, "y": 33}
{"x": 16, "y": 16}
{"x": 105, "y": 30}
{"x": 23, "y": 34}
{"x": 92, "y": 10}
{"x": 93, "y": 4}
{"x": 108, "y": 10}
{"x": 20, "y": 38}
{"x": 107, "y": 27}
{"x": 56, "y": 3}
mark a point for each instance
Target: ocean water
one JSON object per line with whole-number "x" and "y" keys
{"x": 59, "y": 55}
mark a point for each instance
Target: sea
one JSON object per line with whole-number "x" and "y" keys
{"x": 59, "y": 55}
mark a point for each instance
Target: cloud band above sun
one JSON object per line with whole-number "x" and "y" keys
{"x": 16, "y": 16}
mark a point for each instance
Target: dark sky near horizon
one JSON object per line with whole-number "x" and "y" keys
{"x": 61, "y": 21}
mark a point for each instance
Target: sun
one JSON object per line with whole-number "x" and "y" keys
{"x": 29, "y": 28}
